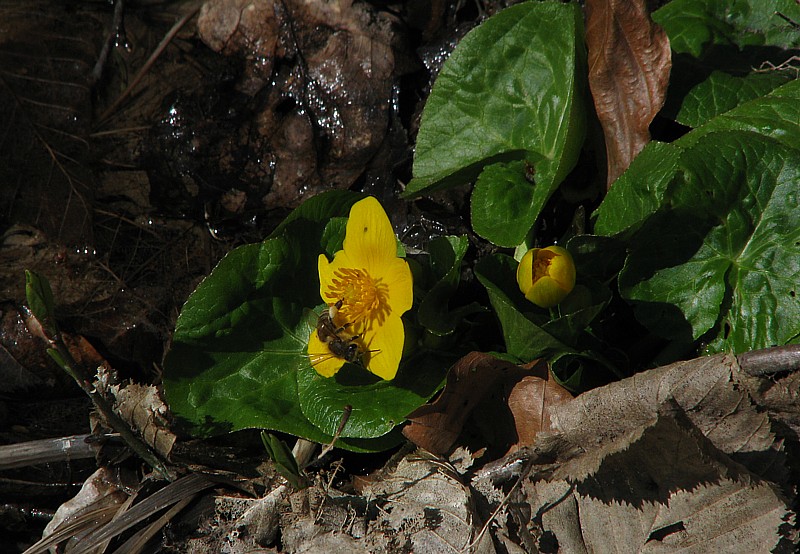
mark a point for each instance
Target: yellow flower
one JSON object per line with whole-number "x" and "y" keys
{"x": 546, "y": 275}
{"x": 374, "y": 288}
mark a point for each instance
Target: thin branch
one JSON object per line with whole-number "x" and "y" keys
{"x": 768, "y": 361}
{"x": 150, "y": 61}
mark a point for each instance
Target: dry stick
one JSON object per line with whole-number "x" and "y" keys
{"x": 116, "y": 21}
{"x": 345, "y": 416}
{"x": 523, "y": 475}
{"x": 102, "y": 405}
{"x": 150, "y": 61}
{"x": 770, "y": 360}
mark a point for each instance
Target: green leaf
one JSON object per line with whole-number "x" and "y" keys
{"x": 695, "y": 26}
{"x": 320, "y": 208}
{"x": 596, "y": 257}
{"x": 59, "y": 359}
{"x": 723, "y": 255}
{"x": 524, "y": 339}
{"x": 722, "y": 92}
{"x": 239, "y": 347}
{"x": 333, "y": 236}
{"x": 512, "y": 89}
{"x": 578, "y": 310}
{"x": 378, "y": 406}
{"x": 40, "y": 300}
{"x": 642, "y": 189}
{"x": 284, "y": 460}
{"x": 638, "y": 192}
{"x": 505, "y": 204}
{"x": 446, "y": 254}
{"x": 776, "y": 115}
{"x": 239, "y": 342}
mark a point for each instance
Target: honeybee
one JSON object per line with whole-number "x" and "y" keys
{"x": 339, "y": 342}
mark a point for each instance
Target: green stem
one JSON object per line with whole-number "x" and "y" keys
{"x": 103, "y": 406}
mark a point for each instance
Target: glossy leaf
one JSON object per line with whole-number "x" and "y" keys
{"x": 524, "y": 339}
{"x": 776, "y": 115}
{"x": 695, "y": 26}
{"x": 239, "y": 346}
{"x": 378, "y": 406}
{"x": 505, "y": 203}
{"x": 724, "y": 254}
{"x": 512, "y": 89}
{"x": 639, "y": 192}
{"x": 643, "y": 188}
{"x": 446, "y": 254}
{"x": 722, "y": 92}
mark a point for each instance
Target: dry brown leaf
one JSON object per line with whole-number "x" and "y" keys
{"x": 679, "y": 457}
{"x": 142, "y": 407}
{"x": 707, "y": 389}
{"x": 426, "y": 507}
{"x": 476, "y": 379}
{"x": 530, "y": 402}
{"x": 436, "y": 426}
{"x": 102, "y": 496}
{"x": 669, "y": 488}
{"x": 629, "y": 65}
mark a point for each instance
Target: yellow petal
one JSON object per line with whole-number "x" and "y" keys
{"x": 325, "y": 363}
{"x": 386, "y": 345}
{"x": 525, "y": 271}
{"x": 562, "y": 267}
{"x": 546, "y": 292}
{"x": 369, "y": 238}
{"x": 396, "y": 275}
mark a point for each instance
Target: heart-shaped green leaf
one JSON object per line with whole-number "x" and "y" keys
{"x": 723, "y": 254}
{"x": 511, "y": 90}
{"x": 238, "y": 358}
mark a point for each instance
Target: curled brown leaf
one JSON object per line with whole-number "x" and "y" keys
{"x": 629, "y": 65}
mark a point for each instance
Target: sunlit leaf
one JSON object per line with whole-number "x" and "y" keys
{"x": 511, "y": 90}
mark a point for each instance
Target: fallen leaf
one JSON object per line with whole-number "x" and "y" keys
{"x": 425, "y": 506}
{"x": 530, "y": 403}
{"x": 668, "y": 488}
{"x": 707, "y": 389}
{"x": 629, "y": 65}
{"x": 508, "y": 405}
{"x": 436, "y": 426}
{"x": 101, "y": 498}
{"x": 678, "y": 457}
{"x": 142, "y": 407}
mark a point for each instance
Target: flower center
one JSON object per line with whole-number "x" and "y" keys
{"x": 364, "y": 299}
{"x": 541, "y": 265}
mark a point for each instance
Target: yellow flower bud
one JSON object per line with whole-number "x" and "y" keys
{"x": 546, "y": 275}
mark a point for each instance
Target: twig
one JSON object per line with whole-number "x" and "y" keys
{"x": 523, "y": 475}
{"x": 150, "y": 61}
{"x": 342, "y": 422}
{"x": 116, "y": 21}
{"x": 102, "y": 405}
{"x": 770, "y": 360}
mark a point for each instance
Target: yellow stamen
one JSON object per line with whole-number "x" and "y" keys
{"x": 364, "y": 299}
